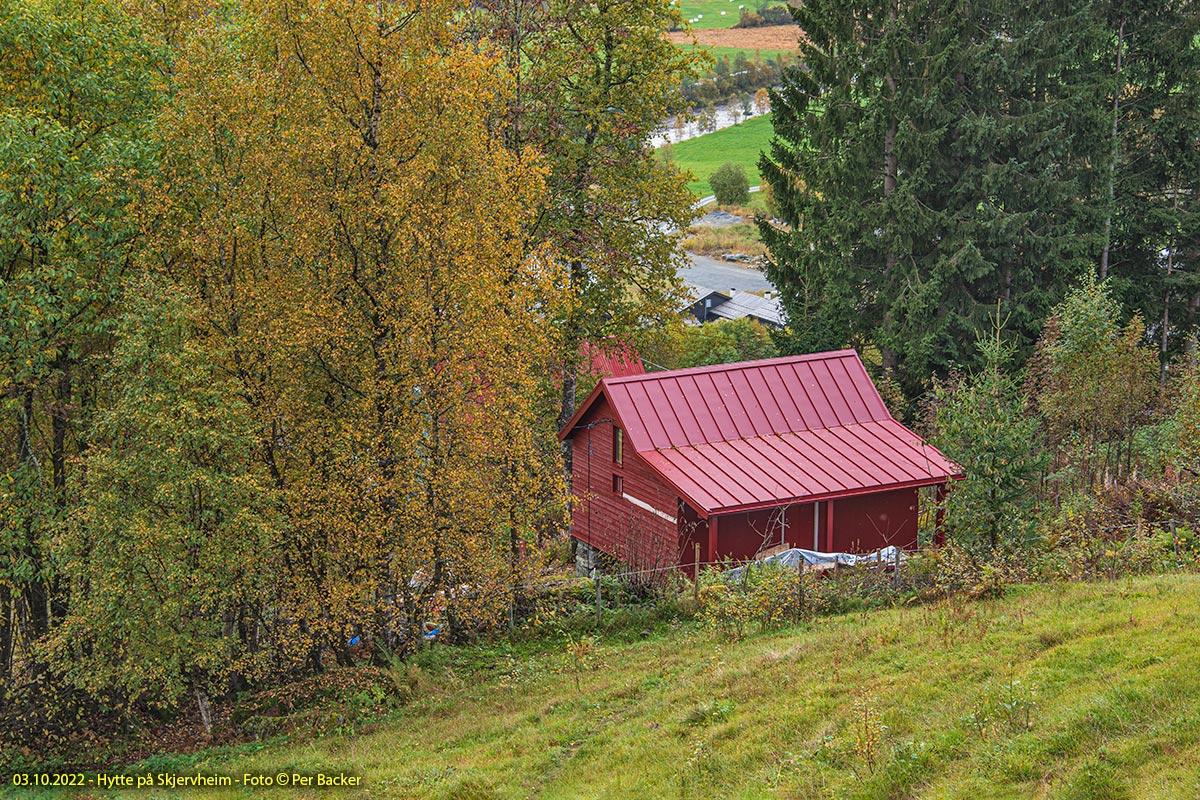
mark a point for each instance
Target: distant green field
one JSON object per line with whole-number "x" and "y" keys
{"x": 732, "y": 52}
{"x": 709, "y": 12}
{"x": 740, "y": 144}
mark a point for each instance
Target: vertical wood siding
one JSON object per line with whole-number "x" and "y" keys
{"x": 609, "y": 521}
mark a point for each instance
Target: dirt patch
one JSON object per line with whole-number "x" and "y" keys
{"x": 773, "y": 37}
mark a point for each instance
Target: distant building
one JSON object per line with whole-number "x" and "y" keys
{"x": 710, "y": 305}
{"x": 741, "y": 458}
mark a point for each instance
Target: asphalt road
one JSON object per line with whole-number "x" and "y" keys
{"x": 712, "y": 198}
{"x": 723, "y": 275}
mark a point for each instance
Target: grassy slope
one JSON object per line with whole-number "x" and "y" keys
{"x": 711, "y": 9}
{"x": 740, "y": 144}
{"x": 1077, "y": 691}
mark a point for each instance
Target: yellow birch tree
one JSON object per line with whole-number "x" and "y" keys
{"x": 354, "y": 226}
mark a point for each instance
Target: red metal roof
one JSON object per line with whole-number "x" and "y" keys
{"x": 764, "y": 433}
{"x": 613, "y": 358}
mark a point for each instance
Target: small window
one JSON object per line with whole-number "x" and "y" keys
{"x": 618, "y": 445}
{"x": 618, "y": 485}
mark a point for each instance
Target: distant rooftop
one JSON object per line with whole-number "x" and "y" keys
{"x": 736, "y": 304}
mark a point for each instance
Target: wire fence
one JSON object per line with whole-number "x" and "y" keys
{"x": 695, "y": 567}
{"x": 627, "y": 574}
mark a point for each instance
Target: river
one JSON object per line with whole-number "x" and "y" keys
{"x": 725, "y": 116}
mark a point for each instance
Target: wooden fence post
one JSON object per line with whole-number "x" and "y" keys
{"x": 598, "y": 578}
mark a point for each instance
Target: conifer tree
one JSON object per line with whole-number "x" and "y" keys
{"x": 1151, "y": 244}
{"x": 983, "y": 424}
{"x": 931, "y": 159}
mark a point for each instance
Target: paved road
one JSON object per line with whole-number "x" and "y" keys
{"x": 723, "y": 275}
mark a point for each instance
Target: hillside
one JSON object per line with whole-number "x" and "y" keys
{"x": 1076, "y": 691}
{"x": 742, "y": 144}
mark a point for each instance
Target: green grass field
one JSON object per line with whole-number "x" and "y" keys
{"x": 717, "y": 52}
{"x": 740, "y": 144}
{"x": 1069, "y": 692}
{"x": 709, "y": 12}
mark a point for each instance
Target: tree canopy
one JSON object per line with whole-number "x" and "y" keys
{"x": 294, "y": 294}
{"x": 933, "y": 159}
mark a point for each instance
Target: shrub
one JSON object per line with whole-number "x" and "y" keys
{"x": 776, "y": 596}
{"x": 730, "y": 184}
{"x": 1097, "y": 385}
{"x": 766, "y": 596}
{"x": 1078, "y": 550}
{"x": 724, "y": 611}
{"x": 749, "y": 19}
{"x": 765, "y": 15}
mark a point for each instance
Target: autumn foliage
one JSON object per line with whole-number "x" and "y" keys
{"x": 282, "y": 349}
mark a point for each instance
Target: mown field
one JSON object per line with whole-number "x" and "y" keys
{"x": 715, "y": 32}
{"x": 1068, "y": 692}
{"x": 708, "y": 13}
{"x": 740, "y": 144}
{"x": 718, "y": 52}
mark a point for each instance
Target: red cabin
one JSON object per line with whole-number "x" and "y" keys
{"x": 741, "y": 458}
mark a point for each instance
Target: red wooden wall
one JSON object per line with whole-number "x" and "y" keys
{"x": 742, "y": 535}
{"x": 860, "y": 524}
{"x": 606, "y": 519}
{"x": 871, "y": 521}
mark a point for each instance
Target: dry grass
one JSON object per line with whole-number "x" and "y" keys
{"x": 740, "y": 238}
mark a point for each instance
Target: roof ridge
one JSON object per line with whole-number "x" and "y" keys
{"x": 735, "y": 366}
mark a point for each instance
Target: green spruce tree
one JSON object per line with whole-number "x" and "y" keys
{"x": 931, "y": 159}
{"x": 1151, "y": 245}
{"x": 983, "y": 424}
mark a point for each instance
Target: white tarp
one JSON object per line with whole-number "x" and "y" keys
{"x": 810, "y": 558}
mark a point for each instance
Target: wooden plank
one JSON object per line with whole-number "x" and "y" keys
{"x": 829, "y": 526}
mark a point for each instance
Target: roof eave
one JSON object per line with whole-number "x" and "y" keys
{"x": 565, "y": 431}
{"x": 816, "y": 498}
